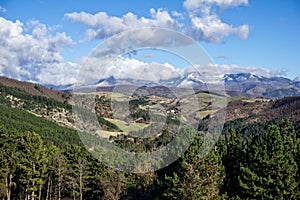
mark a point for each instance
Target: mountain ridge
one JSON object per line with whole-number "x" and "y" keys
{"x": 235, "y": 84}
{"x": 246, "y": 84}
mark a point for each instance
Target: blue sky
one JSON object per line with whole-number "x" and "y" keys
{"x": 248, "y": 34}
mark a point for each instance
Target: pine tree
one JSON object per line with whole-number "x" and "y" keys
{"x": 233, "y": 156}
{"x": 192, "y": 177}
{"x": 78, "y": 170}
{"x": 33, "y": 163}
{"x": 57, "y": 171}
{"x": 114, "y": 184}
{"x": 270, "y": 169}
{"x": 297, "y": 159}
{"x": 9, "y": 158}
{"x": 141, "y": 185}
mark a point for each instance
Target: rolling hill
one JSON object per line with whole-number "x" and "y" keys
{"x": 55, "y": 105}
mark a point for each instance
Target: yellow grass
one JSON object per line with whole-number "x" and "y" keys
{"x": 107, "y": 134}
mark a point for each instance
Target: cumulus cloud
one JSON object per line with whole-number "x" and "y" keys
{"x": 94, "y": 68}
{"x": 205, "y": 24}
{"x": 133, "y": 69}
{"x": 26, "y": 49}
{"x": 102, "y": 25}
{"x": 60, "y": 73}
{"x": 129, "y": 41}
{"x": 210, "y": 28}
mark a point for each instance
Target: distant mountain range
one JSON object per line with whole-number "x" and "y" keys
{"x": 273, "y": 87}
{"x": 239, "y": 84}
{"x": 236, "y": 84}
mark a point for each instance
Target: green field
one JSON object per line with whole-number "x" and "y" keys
{"x": 127, "y": 127}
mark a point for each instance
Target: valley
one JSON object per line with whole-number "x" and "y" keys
{"x": 82, "y": 127}
{"x": 130, "y": 113}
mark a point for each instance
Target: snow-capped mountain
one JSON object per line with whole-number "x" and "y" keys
{"x": 235, "y": 83}
{"x": 297, "y": 79}
{"x": 107, "y": 82}
{"x": 188, "y": 80}
{"x": 240, "y": 77}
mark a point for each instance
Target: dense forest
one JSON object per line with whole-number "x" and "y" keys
{"x": 261, "y": 166}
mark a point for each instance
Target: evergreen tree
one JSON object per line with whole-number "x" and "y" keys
{"x": 114, "y": 184}
{"x": 233, "y": 156}
{"x": 9, "y": 160}
{"x": 270, "y": 169}
{"x": 78, "y": 170}
{"x": 297, "y": 159}
{"x": 33, "y": 164}
{"x": 57, "y": 172}
{"x": 192, "y": 177}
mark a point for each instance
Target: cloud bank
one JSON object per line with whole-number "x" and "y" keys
{"x": 129, "y": 68}
{"x": 204, "y": 24}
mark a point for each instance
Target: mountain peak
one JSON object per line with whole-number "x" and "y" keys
{"x": 297, "y": 79}
{"x": 238, "y": 77}
{"x": 107, "y": 81}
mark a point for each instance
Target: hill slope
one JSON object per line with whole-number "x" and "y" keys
{"x": 35, "y": 89}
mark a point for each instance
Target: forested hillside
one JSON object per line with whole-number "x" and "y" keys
{"x": 256, "y": 157}
{"x": 263, "y": 166}
{"x": 33, "y": 89}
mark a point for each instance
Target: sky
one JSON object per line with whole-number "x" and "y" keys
{"x": 49, "y": 41}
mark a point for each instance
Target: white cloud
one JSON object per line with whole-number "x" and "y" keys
{"x": 102, "y": 25}
{"x": 177, "y": 15}
{"x": 26, "y": 49}
{"x": 129, "y": 41}
{"x": 206, "y": 25}
{"x": 94, "y": 68}
{"x": 2, "y": 9}
{"x": 234, "y": 69}
{"x": 210, "y": 28}
{"x": 199, "y": 4}
{"x": 134, "y": 69}
{"x": 60, "y": 73}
